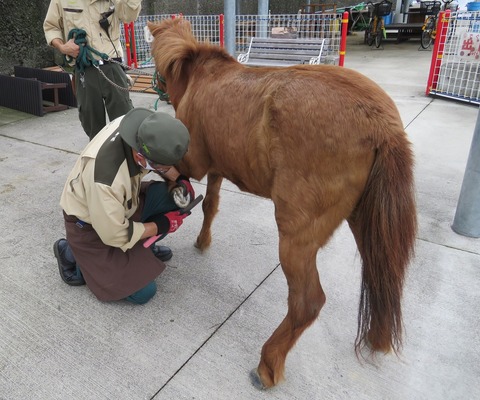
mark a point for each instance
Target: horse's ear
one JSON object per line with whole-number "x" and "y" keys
{"x": 153, "y": 27}
{"x": 157, "y": 28}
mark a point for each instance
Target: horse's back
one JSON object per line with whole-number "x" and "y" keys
{"x": 307, "y": 102}
{"x": 271, "y": 119}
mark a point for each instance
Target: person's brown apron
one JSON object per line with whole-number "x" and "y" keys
{"x": 111, "y": 273}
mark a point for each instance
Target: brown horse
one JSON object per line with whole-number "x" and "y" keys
{"x": 326, "y": 144}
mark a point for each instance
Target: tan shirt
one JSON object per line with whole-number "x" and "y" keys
{"x": 64, "y": 15}
{"x": 104, "y": 191}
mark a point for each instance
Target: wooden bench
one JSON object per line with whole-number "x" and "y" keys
{"x": 141, "y": 83}
{"x": 280, "y": 52}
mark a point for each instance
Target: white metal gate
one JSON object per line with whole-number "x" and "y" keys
{"x": 455, "y": 71}
{"x": 209, "y": 28}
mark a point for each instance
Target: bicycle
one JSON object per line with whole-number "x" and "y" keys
{"x": 429, "y": 28}
{"x": 375, "y": 31}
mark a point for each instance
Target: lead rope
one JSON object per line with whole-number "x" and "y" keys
{"x": 163, "y": 96}
{"x": 85, "y": 59}
{"x": 156, "y": 77}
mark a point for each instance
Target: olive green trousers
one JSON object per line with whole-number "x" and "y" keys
{"x": 97, "y": 96}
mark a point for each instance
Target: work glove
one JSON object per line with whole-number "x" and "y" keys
{"x": 183, "y": 193}
{"x": 169, "y": 222}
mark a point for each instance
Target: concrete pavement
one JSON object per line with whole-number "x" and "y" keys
{"x": 199, "y": 337}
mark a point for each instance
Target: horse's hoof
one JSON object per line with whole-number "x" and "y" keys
{"x": 202, "y": 245}
{"x": 256, "y": 380}
{"x": 201, "y": 249}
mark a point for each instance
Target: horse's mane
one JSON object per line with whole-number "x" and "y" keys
{"x": 176, "y": 47}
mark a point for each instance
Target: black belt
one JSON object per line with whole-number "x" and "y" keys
{"x": 117, "y": 60}
{"x": 105, "y": 62}
{"x": 111, "y": 61}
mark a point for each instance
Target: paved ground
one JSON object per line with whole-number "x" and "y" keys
{"x": 202, "y": 333}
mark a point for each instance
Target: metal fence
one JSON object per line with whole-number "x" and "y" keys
{"x": 204, "y": 27}
{"x": 456, "y": 60}
{"x": 208, "y": 28}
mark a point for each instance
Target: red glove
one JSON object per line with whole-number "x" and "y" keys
{"x": 169, "y": 222}
{"x": 175, "y": 219}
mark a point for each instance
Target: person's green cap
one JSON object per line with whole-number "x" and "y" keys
{"x": 158, "y": 136}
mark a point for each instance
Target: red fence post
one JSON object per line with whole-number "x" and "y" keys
{"x": 221, "y": 32}
{"x": 127, "y": 44}
{"x": 439, "y": 46}
{"x": 133, "y": 45}
{"x": 343, "y": 39}
{"x": 130, "y": 47}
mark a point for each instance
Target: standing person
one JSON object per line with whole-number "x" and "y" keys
{"x": 75, "y": 26}
{"x": 109, "y": 211}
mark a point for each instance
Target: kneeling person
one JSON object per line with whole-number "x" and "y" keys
{"x": 109, "y": 211}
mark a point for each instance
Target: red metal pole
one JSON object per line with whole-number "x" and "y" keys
{"x": 343, "y": 39}
{"x": 438, "y": 48}
{"x": 133, "y": 44}
{"x": 127, "y": 44}
{"x": 221, "y": 32}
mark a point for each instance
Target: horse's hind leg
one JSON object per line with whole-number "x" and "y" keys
{"x": 210, "y": 209}
{"x": 305, "y": 300}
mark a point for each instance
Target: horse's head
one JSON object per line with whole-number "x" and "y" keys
{"x": 173, "y": 49}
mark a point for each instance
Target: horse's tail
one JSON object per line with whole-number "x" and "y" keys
{"x": 384, "y": 224}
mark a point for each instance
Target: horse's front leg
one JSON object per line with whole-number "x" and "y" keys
{"x": 305, "y": 300}
{"x": 210, "y": 209}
